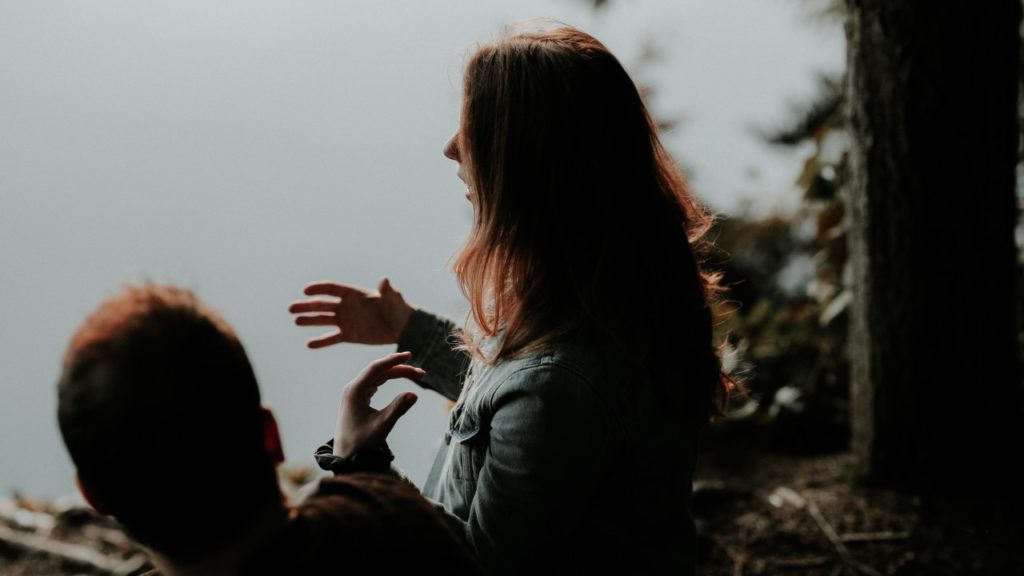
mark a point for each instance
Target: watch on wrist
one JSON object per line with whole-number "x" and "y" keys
{"x": 370, "y": 459}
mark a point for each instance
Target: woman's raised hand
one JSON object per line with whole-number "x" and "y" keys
{"x": 360, "y": 315}
{"x": 359, "y": 425}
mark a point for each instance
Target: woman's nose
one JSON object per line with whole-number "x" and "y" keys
{"x": 451, "y": 149}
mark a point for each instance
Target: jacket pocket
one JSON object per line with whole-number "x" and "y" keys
{"x": 465, "y": 425}
{"x": 469, "y": 446}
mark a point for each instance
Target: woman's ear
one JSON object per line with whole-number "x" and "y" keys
{"x": 272, "y": 437}
{"x": 90, "y": 498}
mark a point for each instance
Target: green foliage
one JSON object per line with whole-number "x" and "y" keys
{"x": 787, "y": 319}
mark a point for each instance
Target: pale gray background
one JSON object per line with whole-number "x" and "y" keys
{"x": 243, "y": 148}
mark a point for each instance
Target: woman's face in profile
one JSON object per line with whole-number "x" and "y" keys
{"x": 452, "y": 151}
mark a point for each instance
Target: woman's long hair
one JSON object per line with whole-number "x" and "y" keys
{"x": 582, "y": 221}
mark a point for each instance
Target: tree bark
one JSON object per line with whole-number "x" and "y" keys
{"x": 936, "y": 388}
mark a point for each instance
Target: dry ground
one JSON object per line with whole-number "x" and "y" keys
{"x": 757, "y": 514}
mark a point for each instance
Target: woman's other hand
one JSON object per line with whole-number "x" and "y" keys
{"x": 359, "y": 425}
{"x": 360, "y": 315}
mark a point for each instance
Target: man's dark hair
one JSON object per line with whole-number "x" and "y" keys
{"x": 160, "y": 411}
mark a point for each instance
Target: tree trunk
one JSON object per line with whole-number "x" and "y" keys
{"x": 936, "y": 388}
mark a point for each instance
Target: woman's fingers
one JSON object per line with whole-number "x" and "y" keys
{"x": 306, "y": 306}
{"x": 381, "y": 365}
{"x": 378, "y": 372}
{"x": 362, "y": 389}
{"x": 402, "y": 371}
{"x": 358, "y": 423}
{"x": 317, "y": 320}
{"x": 326, "y": 340}
{"x": 393, "y": 411}
{"x": 366, "y": 315}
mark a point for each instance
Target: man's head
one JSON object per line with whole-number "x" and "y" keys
{"x": 160, "y": 411}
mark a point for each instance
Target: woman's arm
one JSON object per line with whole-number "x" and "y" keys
{"x": 430, "y": 339}
{"x": 384, "y": 317}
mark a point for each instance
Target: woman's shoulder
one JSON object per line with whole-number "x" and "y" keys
{"x": 575, "y": 366}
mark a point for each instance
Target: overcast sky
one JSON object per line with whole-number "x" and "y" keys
{"x": 243, "y": 148}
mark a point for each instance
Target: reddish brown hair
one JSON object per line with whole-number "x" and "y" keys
{"x": 160, "y": 411}
{"x": 582, "y": 220}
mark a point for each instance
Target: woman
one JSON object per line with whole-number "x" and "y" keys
{"x": 587, "y": 367}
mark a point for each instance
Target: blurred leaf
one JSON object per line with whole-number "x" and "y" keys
{"x": 810, "y": 171}
{"x": 829, "y": 220}
{"x": 837, "y": 306}
{"x": 826, "y": 10}
{"x": 667, "y": 124}
{"x": 812, "y": 120}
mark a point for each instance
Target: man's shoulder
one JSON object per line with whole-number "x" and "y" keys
{"x": 364, "y": 496}
{"x": 357, "y": 522}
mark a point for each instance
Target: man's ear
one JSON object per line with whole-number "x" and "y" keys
{"x": 272, "y": 437}
{"x": 90, "y": 497}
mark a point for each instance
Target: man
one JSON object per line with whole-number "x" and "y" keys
{"x": 161, "y": 413}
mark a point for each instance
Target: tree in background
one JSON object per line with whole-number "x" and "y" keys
{"x": 936, "y": 327}
{"x": 933, "y": 101}
{"x": 792, "y": 280}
